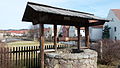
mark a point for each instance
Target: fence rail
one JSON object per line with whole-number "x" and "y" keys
{"x": 22, "y": 57}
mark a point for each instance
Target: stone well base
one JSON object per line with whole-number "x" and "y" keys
{"x": 85, "y": 59}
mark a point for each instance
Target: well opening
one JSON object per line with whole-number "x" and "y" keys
{"x": 76, "y": 51}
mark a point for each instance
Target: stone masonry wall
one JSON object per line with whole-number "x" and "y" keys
{"x": 86, "y": 59}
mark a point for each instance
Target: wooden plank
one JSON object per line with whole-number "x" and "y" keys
{"x": 96, "y": 23}
{"x": 79, "y": 42}
{"x": 55, "y": 37}
{"x": 87, "y": 37}
{"x": 42, "y": 45}
{"x": 24, "y": 56}
{"x": 83, "y": 47}
{"x": 61, "y": 20}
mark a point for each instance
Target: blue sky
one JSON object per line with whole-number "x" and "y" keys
{"x": 11, "y": 11}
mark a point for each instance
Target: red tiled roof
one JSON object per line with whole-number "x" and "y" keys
{"x": 82, "y": 28}
{"x": 17, "y": 31}
{"x": 46, "y": 29}
{"x": 117, "y": 12}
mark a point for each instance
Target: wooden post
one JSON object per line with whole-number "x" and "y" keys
{"x": 42, "y": 45}
{"x": 79, "y": 42}
{"x": 101, "y": 51}
{"x": 55, "y": 37}
{"x": 87, "y": 43}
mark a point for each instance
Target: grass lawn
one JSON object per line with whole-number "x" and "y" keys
{"x": 23, "y": 43}
{"x": 27, "y": 43}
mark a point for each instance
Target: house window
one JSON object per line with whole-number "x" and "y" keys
{"x": 115, "y": 29}
{"x": 115, "y": 38}
{"x": 112, "y": 20}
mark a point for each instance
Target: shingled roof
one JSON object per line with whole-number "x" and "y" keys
{"x": 116, "y": 12}
{"x": 34, "y": 8}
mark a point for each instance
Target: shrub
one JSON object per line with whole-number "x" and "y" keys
{"x": 110, "y": 51}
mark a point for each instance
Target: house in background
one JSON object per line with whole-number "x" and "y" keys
{"x": 69, "y": 34}
{"x": 1, "y": 35}
{"x": 47, "y": 32}
{"x": 73, "y": 31}
{"x": 96, "y": 32}
{"x": 65, "y": 31}
{"x": 17, "y": 33}
{"x": 114, "y": 24}
{"x": 59, "y": 31}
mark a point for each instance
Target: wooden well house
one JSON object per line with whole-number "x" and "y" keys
{"x": 44, "y": 14}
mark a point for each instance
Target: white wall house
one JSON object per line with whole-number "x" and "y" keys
{"x": 95, "y": 33}
{"x": 58, "y": 31}
{"x": 114, "y": 16}
{"x": 73, "y": 31}
{"x": 1, "y": 36}
{"x": 47, "y": 32}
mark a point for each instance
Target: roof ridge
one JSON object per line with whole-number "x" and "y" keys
{"x": 58, "y": 8}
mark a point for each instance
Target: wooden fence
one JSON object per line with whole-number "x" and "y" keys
{"x": 22, "y": 57}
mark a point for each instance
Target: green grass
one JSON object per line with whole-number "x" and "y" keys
{"x": 27, "y": 43}
{"x": 23, "y": 43}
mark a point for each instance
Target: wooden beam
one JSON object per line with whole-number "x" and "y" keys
{"x": 42, "y": 45}
{"x": 96, "y": 23}
{"x": 84, "y": 47}
{"x": 55, "y": 37}
{"x": 87, "y": 43}
{"x": 79, "y": 39}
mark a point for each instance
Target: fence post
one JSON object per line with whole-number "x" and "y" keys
{"x": 24, "y": 56}
{"x": 10, "y": 57}
{"x": 29, "y": 55}
{"x": 1, "y": 55}
{"x": 21, "y": 56}
{"x": 34, "y": 56}
{"x": 101, "y": 51}
{"x": 16, "y": 56}
{"x": 13, "y": 56}
{"x": 8, "y": 54}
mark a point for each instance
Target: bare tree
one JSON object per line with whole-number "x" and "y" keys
{"x": 110, "y": 51}
{"x": 33, "y": 33}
